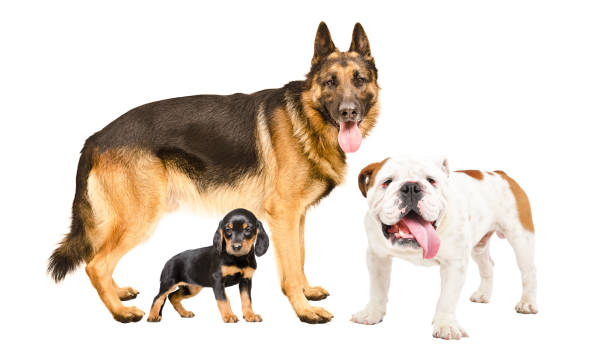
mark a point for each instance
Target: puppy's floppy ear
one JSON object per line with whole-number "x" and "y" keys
{"x": 219, "y": 238}
{"x": 360, "y": 43}
{"x": 262, "y": 243}
{"x": 367, "y": 176}
{"x": 323, "y": 45}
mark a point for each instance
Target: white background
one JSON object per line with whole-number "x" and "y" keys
{"x": 523, "y": 86}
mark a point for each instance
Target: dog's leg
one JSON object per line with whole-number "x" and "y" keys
{"x": 284, "y": 222}
{"x": 227, "y": 315}
{"x": 379, "y": 268}
{"x": 452, "y": 275}
{"x": 311, "y": 293}
{"x": 523, "y": 243}
{"x": 183, "y": 292}
{"x": 155, "y": 315}
{"x": 480, "y": 254}
{"x": 245, "y": 297}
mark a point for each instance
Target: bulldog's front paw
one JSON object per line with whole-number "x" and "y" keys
{"x": 448, "y": 330}
{"x": 526, "y": 307}
{"x": 368, "y": 316}
{"x": 481, "y": 296}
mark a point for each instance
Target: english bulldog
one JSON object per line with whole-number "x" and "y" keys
{"x": 421, "y": 212}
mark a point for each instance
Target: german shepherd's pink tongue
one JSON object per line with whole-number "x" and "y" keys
{"x": 349, "y": 137}
{"x": 424, "y": 233}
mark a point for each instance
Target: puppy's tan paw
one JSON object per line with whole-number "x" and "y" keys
{"x": 187, "y": 314}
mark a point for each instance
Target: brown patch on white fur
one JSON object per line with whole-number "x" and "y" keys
{"x": 368, "y": 175}
{"x": 476, "y": 174}
{"x": 522, "y": 202}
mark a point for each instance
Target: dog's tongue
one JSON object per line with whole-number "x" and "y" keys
{"x": 349, "y": 137}
{"x": 424, "y": 233}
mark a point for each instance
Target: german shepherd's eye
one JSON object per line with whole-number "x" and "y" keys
{"x": 386, "y": 183}
{"x": 359, "y": 81}
{"x": 330, "y": 83}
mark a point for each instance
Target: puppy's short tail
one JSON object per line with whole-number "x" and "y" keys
{"x": 75, "y": 248}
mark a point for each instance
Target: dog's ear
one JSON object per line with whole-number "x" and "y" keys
{"x": 262, "y": 243}
{"x": 360, "y": 43}
{"x": 219, "y": 239}
{"x": 443, "y": 161}
{"x": 323, "y": 45}
{"x": 367, "y": 176}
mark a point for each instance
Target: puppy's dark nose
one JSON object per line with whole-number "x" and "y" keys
{"x": 236, "y": 247}
{"x": 348, "y": 111}
{"x": 412, "y": 190}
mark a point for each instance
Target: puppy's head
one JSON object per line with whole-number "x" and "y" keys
{"x": 239, "y": 233}
{"x": 407, "y": 196}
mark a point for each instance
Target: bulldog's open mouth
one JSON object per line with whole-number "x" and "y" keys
{"x": 413, "y": 231}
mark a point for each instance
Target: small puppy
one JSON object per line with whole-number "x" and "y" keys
{"x": 421, "y": 212}
{"x": 230, "y": 260}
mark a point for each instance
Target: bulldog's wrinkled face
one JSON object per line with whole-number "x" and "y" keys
{"x": 407, "y": 196}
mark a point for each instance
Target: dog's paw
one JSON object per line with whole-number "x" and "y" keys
{"x": 154, "y": 318}
{"x": 526, "y": 307}
{"x": 187, "y": 314}
{"x": 128, "y": 314}
{"x": 230, "y": 318}
{"x": 315, "y": 293}
{"x": 127, "y": 293}
{"x": 480, "y": 297}
{"x": 252, "y": 317}
{"x": 448, "y": 330}
{"x": 314, "y": 315}
{"x": 368, "y": 316}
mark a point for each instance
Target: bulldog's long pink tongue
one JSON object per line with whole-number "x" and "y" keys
{"x": 349, "y": 137}
{"x": 424, "y": 233}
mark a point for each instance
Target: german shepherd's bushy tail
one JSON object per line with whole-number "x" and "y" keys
{"x": 75, "y": 248}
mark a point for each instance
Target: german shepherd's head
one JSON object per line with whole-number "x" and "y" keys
{"x": 342, "y": 87}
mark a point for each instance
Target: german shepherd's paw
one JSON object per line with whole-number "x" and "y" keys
{"x": 252, "y": 317}
{"x": 128, "y": 314}
{"x": 127, "y": 293}
{"x": 315, "y": 293}
{"x": 230, "y": 318}
{"x": 314, "y": 315}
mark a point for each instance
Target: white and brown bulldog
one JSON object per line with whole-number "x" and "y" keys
{"x": 421, "y": 212}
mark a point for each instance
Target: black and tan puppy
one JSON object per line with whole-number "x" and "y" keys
{"x": 276, "y": 152}
{"x": 229, "y": 261}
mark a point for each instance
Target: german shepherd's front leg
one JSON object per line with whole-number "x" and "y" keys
{"x": 284, "y": 222}
{"x": 311, "y": 293}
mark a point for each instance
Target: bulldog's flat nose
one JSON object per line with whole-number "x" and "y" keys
{"x": 412, "y": 189}
{"x": 236, "y": 247}
{"x": 348, "y": 111}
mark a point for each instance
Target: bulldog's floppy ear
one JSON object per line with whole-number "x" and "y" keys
{"x": 323, "y": 45}
{"x": 443, "y": 161}
{"x": 367, "y": 176}
{"x": 360, "y": 43}
{"x": 219, "y": 239}
{"x": 262, "y": 243}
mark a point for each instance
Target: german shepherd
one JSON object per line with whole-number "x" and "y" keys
{"x": 275, "y": 152}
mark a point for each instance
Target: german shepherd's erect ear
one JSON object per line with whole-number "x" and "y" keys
{"x": 261, "y": 246}
{"x": 218, "y": 240}
{"x": 323, "y": 45}
{"x": 360, "y": 43}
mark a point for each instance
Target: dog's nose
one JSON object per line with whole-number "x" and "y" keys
{"x": 412, "y": 189}
{"x": 348, "y": 111}
{"x": 236, "y": 247}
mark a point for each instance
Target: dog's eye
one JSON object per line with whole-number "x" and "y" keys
{"x": 431, "y": 181}
{"x": 330, "y": 83}
{"x": 386, "y": 183}
{"x": 359, "y": 81}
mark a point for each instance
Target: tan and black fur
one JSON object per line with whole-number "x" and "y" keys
{"x": 274, "y": 152}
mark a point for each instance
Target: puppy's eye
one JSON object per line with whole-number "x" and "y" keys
{"x": 386, "y": 183}
{"x": 431, "y": 181}
{"x": 330, "y": 83}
